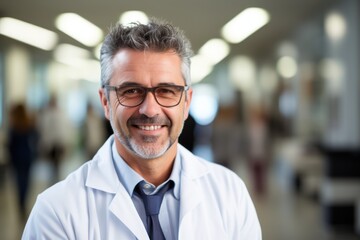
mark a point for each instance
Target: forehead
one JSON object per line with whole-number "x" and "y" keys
{"x": 146, "y": 66}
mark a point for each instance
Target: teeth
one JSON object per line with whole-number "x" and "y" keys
{"x": 149, "y": 128}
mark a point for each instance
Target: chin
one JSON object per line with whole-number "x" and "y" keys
{"x": 149, "y": 152}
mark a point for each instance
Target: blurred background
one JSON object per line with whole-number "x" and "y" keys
{"x": 276, "y": 99}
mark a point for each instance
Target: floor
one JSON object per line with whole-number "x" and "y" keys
{"x": 283, "y": 214}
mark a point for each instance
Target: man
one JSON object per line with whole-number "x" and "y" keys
{"x": 146, "y": 96}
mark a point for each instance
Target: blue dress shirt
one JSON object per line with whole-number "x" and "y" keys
{"x": 170, "y": 207}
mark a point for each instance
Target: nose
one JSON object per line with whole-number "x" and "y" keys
{"x": 150, "y": 107}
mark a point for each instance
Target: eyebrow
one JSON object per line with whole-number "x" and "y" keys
{"x": 133, "y": 84}
{"x": 130, "y": 84}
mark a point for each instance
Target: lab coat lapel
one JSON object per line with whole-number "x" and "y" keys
{"x": 102, "y": 176}
{"x": 123, "y": 208}
{"x": 190, "y": 193}
{"x": 189, "y": 197}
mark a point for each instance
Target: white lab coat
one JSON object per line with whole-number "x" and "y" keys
{"x": 91, "y": 203}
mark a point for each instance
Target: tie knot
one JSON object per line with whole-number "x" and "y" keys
{"x": 153, "y": 202}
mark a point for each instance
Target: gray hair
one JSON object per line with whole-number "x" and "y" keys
{"x": 157, "y": 36}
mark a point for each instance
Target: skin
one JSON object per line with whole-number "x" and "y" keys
{"x": 150, "y": 152}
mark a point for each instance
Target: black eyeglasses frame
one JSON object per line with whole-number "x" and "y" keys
{"x": 147, "y": 90}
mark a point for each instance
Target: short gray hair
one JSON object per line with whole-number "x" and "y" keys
{"x": 157, "y": 36}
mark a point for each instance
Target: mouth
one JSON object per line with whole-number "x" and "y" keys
{"x": 147, "y": 124}
{"x": 149, "y": 128}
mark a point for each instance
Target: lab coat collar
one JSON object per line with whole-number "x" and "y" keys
{"x": 192, "y": 168}
{"x": 102, "y": 174}
{"x": 122, "y": 207}
{"x": 190, "y": 199}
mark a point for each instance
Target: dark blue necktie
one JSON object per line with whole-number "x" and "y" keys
{"x": 152, "y": 205}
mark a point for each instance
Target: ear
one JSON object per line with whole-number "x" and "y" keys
{"x": 104, "y": 102}
{"x": 188, "y": 98}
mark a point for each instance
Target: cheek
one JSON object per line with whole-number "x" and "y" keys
{"x": 121, "y": 116}
{"x": 177, "y": 117}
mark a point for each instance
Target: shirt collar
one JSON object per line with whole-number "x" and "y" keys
{"x": 129, "y": 178}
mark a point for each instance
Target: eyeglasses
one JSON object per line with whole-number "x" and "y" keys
{"x": 134, "y": 95}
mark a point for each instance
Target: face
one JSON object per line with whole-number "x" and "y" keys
{"x": 149, "y": 130}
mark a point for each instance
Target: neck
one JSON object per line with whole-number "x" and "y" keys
{"x": 155, "y": 171}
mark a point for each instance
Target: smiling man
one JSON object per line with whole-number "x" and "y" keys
{"x": 147, "y": 110}
{"x": 142, "y": 184}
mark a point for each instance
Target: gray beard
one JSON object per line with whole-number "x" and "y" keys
{"x": 143, "y": 151}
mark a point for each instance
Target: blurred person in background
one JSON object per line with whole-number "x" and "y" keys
{"x": 94, "y": 132}
{"x": 258, "y": 147}
{"x": 22, "y": 146}
{"x": 52, "y": 127}
{"x": 146, "y": 95}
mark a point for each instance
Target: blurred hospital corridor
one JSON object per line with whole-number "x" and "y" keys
{"x": 279, "y": 105}
{"x": 283, "y": 212}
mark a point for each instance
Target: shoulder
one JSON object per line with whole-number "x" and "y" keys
{"x": 66, "y": 191}
{"x": 55, "y": 208}
{"x": 223, "y": 180}
{"x": 95, "y": 174}
{"x": 201, "y": 169}
{"x": 223, "y": 191}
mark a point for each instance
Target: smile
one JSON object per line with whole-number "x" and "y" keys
{"x": 150, "y": 128}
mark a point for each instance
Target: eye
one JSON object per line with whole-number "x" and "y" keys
{"x": 131, "y": 91}
{"x": 166, "y": 91}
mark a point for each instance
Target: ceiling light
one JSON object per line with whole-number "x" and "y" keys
{"x": 79, "y": 28}
{"x": 71, "y": 55}
{"x": 200, "y": 68}
{"x": 245, "y": 24}
{"x": 287, "y": 67}
{"x": 335, "y": 26}
{"x": 28, "y": 33}
{"x": 242, "y": 72}
{"x": 133, "y": 16}
{"x": 215, "y": 50}
{"x": 97, "y": 51}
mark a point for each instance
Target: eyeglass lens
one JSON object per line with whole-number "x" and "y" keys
{"x": 166, "y": 96}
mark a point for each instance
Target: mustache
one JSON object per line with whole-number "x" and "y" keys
{"x": 143, "y": 120}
